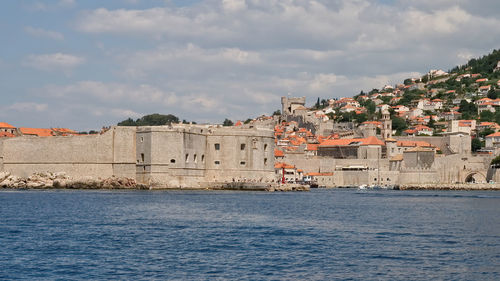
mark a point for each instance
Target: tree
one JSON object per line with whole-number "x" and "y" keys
{"x": 486, "y": 132}
{"x": 475, "y": 144}
{"x": 317, "y": 105}
{"x": 487, "y": 116}
{"x": 370, "y": 106}
{"x": 247, "y": 121}
{"x": 492, "y": 94}
{"x": 496, "y": 160}
{"x": 277, "y": 112}
{"x": 128, "y": 122}
{"x": 399, "y": 124}
{"x": 227, "y": 122}
{"x": 151, "y": 120}
{"x": 362, "y": 117}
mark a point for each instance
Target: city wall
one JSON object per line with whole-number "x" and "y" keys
{"x": 112, "y": 153}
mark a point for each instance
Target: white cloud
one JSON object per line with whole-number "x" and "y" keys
{"x": 234, "y": 5}
{"x": 28, "y": 107}
{"x": 51, "y": 62}
{"x": 40, "y": 32}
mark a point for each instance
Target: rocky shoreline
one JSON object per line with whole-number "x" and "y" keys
{"x": 62, "y": 181}
{"x": 47, "y": 180}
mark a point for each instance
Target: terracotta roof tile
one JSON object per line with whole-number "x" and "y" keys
{"x": 6, "y": 125}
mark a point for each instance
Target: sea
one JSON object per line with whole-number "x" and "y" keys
{"x": 324, "y": 234}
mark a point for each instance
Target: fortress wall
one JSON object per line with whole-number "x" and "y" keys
{"x": 254, "y": 161}
{"x": 78, "y": 156}
{"x": 418, "y": 177}
{"x": 171, "y": 157}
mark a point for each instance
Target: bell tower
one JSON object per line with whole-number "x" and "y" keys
{"x": 386, "y": 130}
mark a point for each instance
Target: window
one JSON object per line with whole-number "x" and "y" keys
{"x": 217, "y": 146}
{"x": 265, "y": 147}
{"x": 243, "y": 163}
{"x": 142, "y": 157}
{"x": 217, "y": 162}
{"x": 242, "y": 146}
{"x": 195, "y": 158}
{"x": 203, "y": 158}
{"x": 142, "y": 139}
{"x": 265, "y": 161}
{"x": 172, "y": 161}
{"x": 187, "y": 158}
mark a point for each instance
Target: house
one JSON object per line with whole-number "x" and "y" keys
{"x": 493, "y": 140}
{"x": 462, "y": 126}
{"x": 311, "y": 149}
{"x": 480, "y": 80}
{"x": 451, "y": 115}
{"x": 488, "y": 125}
{"x": 415, "y": 112}
{"x": 419, "y": 130}
{"x": 400, "y": 108}
{"x": 278, "y": 154}
{"x": 487, "y": 106}
{"x": 357, "y": 148}
{"x": 287, "y": 172}
{"x": 382, "y": 107}
{"x": 7, "y": 128}
{"x": 348, "y": 108}
{"x": 483, "y": 90}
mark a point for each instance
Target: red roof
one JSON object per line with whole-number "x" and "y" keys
{"x": 238, "y": 123}
{"x": 497, "y": 134}
{"x": 6, "y": 125}
{"x": 36, "y": 132}
{"x": 278, "y": 153}
{"x": 312, "y": 147}
{"x": 344, "y": 142}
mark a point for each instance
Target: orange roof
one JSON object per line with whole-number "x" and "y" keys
{"x": 497, "y": 134}
{"x": 36, "y": 132}
{"x": 312, "y": 147}
{"x": 278, "y": 153}
{"x": 6, "y": 125}
{"x": 344, "y": 142}
{"x": 6, "y": 134}
{"x": 407, "y": 143}
{"x": 280, "y": 165}
{"x": 238, "y": 123}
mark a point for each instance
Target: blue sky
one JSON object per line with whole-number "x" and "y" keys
{"x": 86, "y": 64}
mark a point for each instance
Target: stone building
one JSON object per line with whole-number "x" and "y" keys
{"x": 177, "y": 156}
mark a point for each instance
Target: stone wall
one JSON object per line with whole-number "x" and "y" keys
{"x": 112, "y": 153}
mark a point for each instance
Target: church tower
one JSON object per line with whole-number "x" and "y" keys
{"x": 386, "y": 130}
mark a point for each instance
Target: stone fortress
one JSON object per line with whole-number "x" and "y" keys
{"x": 175, "y": 156}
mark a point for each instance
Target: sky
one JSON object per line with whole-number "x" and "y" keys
{"x": 84, "y": 64}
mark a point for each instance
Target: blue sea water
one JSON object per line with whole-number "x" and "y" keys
{"x": 331, "y": 234}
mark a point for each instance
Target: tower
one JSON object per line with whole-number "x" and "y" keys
{"x": 386, "y": 130}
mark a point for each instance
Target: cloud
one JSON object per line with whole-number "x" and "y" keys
{"x": 44, "y": 7}
{"x": 40, "y": 32}
{"x": 28, "y": 107}
{"x": 51, "y": 62}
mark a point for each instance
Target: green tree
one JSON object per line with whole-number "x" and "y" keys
{"x": 227, "y": 122}
{"x": 399, "y": 124}
{"x": 475, "y": 144}
{"x": 496, "y": 160}
{"x": 318, "y": 104}
{"x": 492, "y": 94}
{"x": 277, "y": 112}
{"x": 128, "y": 122}
{"x": 487, "y": 116}
{"x": 486, "y": 132}
{"x": 248, "y": 120}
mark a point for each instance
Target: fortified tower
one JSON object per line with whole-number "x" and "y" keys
{"x": 288, "y": 105}
{"x": 386, "y": 130}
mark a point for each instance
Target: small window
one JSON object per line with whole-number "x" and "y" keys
{"x": 202, "y": 158}
{"x": 172, "y": 161}
{"x": 187, "y": 158}
{"x": 144, "y": 168}
{"x": 388, "y": 179}
{"x": 243, "y": 163}
{"x": 265, "y": 161}
{"x": 142, "y": 139}
{"x": 142, "y": 157}
{"x": 242, "y": 146}
{"x": 375, "y": 179}
{"x": 265, "y": 147}
{"x": 195, "y": 158}
{"x": 217, "y": 162}
{"x": 217, "y": 146}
